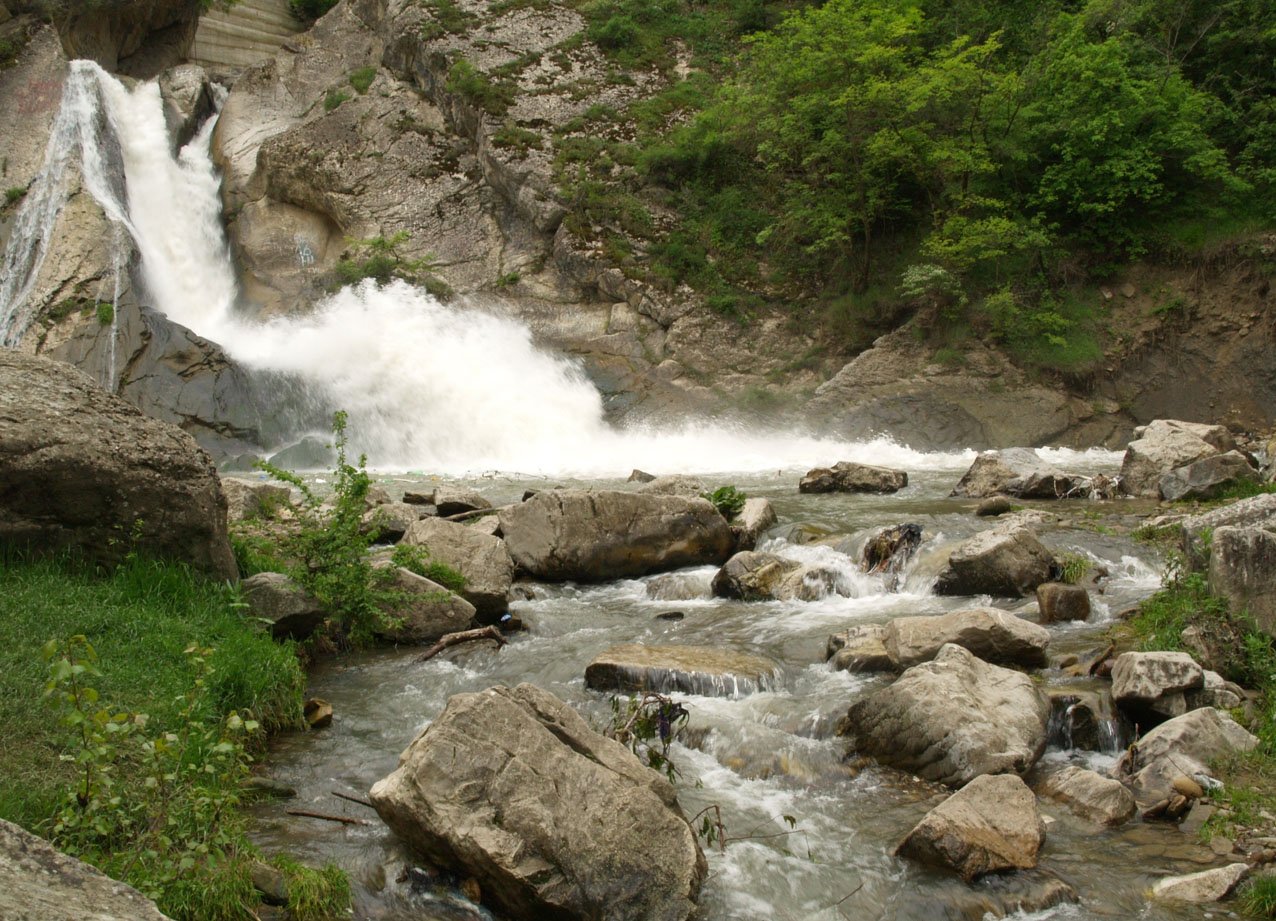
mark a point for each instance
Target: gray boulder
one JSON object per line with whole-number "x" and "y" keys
{"x": 1059, "y": 601}
{"x": 392, "y": 519}
{"x": 553, "y": 820}
{"x": 952, "y": 719}
{"x": 481, "y": 558}
{"x": 861, "y": 648}
{"x": 1092, "y": 796}
{"x": 991, "y": 824}
{"x": 703, "y": 670}
{"x": 81, "y": 468}
{"x": 752, "y": 576}
{"x": 677, "y": 484}
{"x": 1006, "y": 561}
{"x": 40, "y": 883}
{"x": 253, "y": 498}
{"x": 453, "y": 500}
{"x": 1255, "y": 512}
{"x": 187, "y": 95}
{"x": 1152, "y": 686}
{"x": 290, "y": 609}
{"x": 1183, "y": 746}
{"x": 848, "y": 477}
{"x": 1164, "y": 445}
{"x": 1019, "y": 472}
{"x": 595, "y": 536}
{"x": 424, "y": 611}
{"x": 1207, "y": 477}
{"x": 1206, "y": 886}
{"x": 995, "y": 636}
{"x": 1242, "y": 571}
{"x": 754, "y": 519}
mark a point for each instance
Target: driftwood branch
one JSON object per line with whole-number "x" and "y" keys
{"x": 463, "y": 636}
{"x": 475, "y": 513}
{"x": 352, "y": 799}
{"x": 344, "y": 820}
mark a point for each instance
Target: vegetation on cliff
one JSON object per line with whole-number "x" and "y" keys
{"x": 961, "y": 161}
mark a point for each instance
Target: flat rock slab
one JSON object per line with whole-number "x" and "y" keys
{"x": 849, "y": 477}
{"x": 989, "y": 825}
{"x": 994, "y": 635}
{"x": 1090, "y": 795}
{"x": 553, "y": 820}
{"x": 1206, "y": 886}
{"x": 702, "y": 670}
{"x": 952, "y": 719}
{"x": 40, "y": 883}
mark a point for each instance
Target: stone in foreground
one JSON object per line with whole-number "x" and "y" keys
{"x": 1206, "y": 886}
{"x": 553, "y": 820}
{"x": 848, "y": 477}
{"x": 952, "y": 719}
{"x": 861, "y": 648}
{"x": 1183, "y": 746}
{"x": 995, "y": 636}
{"x": 1006, "y": 561}
{"x": 40, "y": 883}
{"x": 753, "y": 576}
{"x": 596, "y": 536}
{"x": 687, "y": 669}
{"x": 989, "y": 825}
{"x": 1090, "y": 795}
{"x": 80, "y": 468}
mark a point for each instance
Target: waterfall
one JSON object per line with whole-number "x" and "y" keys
{"x": 443, "y": 387}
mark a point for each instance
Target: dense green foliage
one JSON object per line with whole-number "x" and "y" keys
{"x": 962, "y": 162}
{"x": 151, "y": 799}
{"x": 727, "y": 500}
{"x": 380, "y": 259}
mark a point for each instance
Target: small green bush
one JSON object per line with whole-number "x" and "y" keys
{"x": 1258, "y": 898}
{"x": 15, "y": 194}
{"x": 105, "y": 313}
{"x": 417, "y": 559}
{"x": 362, "y": 78}
{"x": 334, "y": 99}
{"x": 726, "y": 499}
{"x": 478, "y": 88}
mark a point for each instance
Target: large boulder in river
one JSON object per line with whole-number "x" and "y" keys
{"x": 991, "y": 824}
{"x": 594, "y": 536}
{"x": 1061, "y": 601}
{"x": 703, "y": 670}
{"x": 1164, "y": 445}
{"x": 995, "y": 636}
{"x": 481, "y": 558}
{"x": 81, "y": 468}
{"x": 1152, "y": 686}
{"x": 861, "y": 648}
{"x": 40, "y": 883}
{"x": 753, "y": 576}
{"x": 1207, "y": 477}
{"x": 1019, "y": 472}
{"x": 1243, "y": 572}
{"x": 849, "y": 477}
{"x": 552, "y": 819}
{"x": 953, "y": 718}
{"x": 1182, "y": 747}
{"x": 1006, "y": 561}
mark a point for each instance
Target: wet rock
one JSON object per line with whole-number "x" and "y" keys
{"x": 679, "y": 586}
{"x": 1207, "y": 477}
{"x": 452, "y": 500}
{"x": 253, "y": 498}
{"x": 268, "y": 788}
{"x": 1001, "y": 895}
{"x": 270, "y": 882}
{"x": 1093, "y": 796}
{"x": 994, "y": 506}
{"x": 1165, "y": 445}
{"x": 993, "y": 635}
{"x": 1059, "y": 602}
{"x": 423, "y": 612}
{"x": 1018, "y": 472}
{"x": 81, "y": 468}
{"x": 188, "y": 101}
{"x": 752, "y": 576}
{"x": 678, "y": 484}
{"x": 755, "y": 519}
{"x": 40, "y": 883}
{"x": 1185, "y": 745}
{"x": 1151, "y": 686}
{"x": 290, "y": 610}
{"x": 640, "y": 476}
{"x": 889, "y": 550}
{"x": 848, "y": 477}
{"x": 482, "y": 559}
{"x": 989, "y": 825}
{"x": 1206, "y": 886}
{"x": 392, "y": 520}
{"x": 708, "y": 671}
{"x": 1006, "y": 561}
{"x": 594, "y": 536}
{"x": 1242, "y": 571}
{"x": 419, "y": 499}
{"x": 512, "y": 788}
{"x": 861, "y": 649}
{"x": 318, "y": 713}
{"x": 1254, "y": 512}
{"x": 952, "y": 719}
{"x": 1083, "y": 719}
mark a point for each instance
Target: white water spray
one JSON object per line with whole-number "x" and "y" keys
{"x": 444, "y": 388}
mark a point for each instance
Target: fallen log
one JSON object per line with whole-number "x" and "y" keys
{"x": 463, "y": 636}
{"x": 474, "y": 513}
{"x": 344, "y": 820}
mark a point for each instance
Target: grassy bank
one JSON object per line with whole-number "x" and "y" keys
{"x": 158, "y": 798}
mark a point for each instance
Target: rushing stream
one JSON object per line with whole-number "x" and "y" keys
{"x": 451, "y": 388}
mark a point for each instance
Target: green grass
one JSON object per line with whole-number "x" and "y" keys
{"x": 1258, "y": 897}
{"x": 362, "y": 78}
{"x": 334, "y": 99}
{"x": 140, "y": 619}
